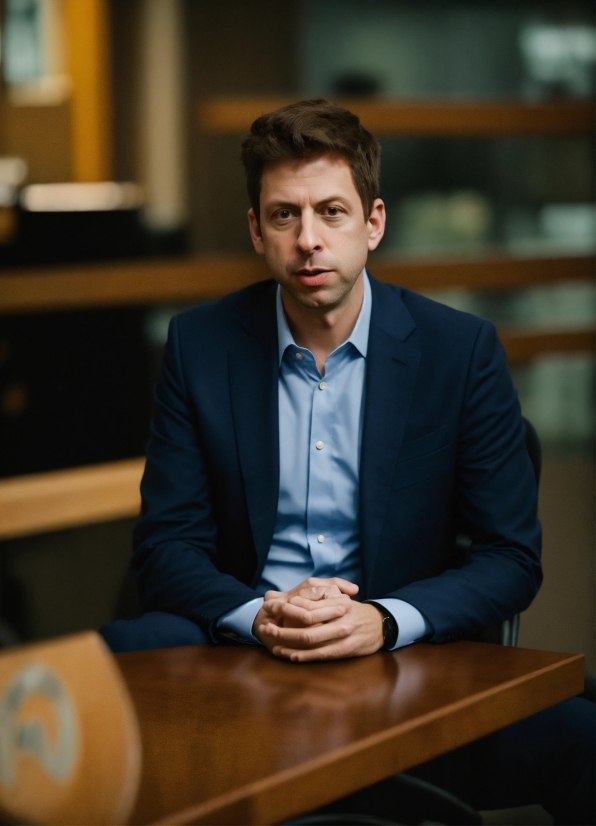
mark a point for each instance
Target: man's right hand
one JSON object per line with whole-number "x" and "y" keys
{"x": 303, "y": 606}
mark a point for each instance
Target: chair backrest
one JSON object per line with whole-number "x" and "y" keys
{"x": 70, "y": 750}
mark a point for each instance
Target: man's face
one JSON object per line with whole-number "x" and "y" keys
{"x": 312, "y": 230}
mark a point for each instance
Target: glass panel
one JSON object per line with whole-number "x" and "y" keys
{"x": 528, "y": 195}
{"x": 22, "y": 46}
{"x": 484, "y": 49}
{"x": 557, "y": 395}
{"x": 564, "y": 306}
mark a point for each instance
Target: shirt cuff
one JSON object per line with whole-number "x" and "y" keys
{"x": 410, "y": 622}
{"x": 237, "y": 623}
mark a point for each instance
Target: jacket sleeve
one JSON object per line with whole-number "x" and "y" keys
{"x": 175, "y": 540}
{"x": 496, "y": 505}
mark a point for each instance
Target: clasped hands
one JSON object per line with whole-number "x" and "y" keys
{"x": 318, "y": 620}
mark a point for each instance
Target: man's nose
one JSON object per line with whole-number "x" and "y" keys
{"x": 308, "y": 238}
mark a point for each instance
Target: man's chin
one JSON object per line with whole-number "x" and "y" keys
{"x": 312, "y": 298}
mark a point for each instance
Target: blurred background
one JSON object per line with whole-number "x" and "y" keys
{"x": 122, "y": 200}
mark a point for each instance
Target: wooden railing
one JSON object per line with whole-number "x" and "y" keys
{"x": 420, "y": 118}
{"x": 200, "y": 278}
{"x": 522, "y": 346}
{"x": 69, "y": 498}
{"x": 203, "y": 278}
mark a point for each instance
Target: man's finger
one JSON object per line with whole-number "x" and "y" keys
{"x": 313, "y": 604}
{"x": 318, "y": 592}
{"x": 344, "y": 585}
{"x": 273, "y": 595}
{"x": 308, "y": 637}
{"x": 309, "y": 614}
{"x": 334, "y": 651}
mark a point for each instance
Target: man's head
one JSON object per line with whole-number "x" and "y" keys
{"x": 312, "y": 174}
{"x": 305, "y": 130}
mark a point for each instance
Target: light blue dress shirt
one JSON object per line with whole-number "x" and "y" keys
{"x": 320, "y": 433}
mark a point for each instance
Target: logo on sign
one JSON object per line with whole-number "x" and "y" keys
{"x": 57, "y": 754}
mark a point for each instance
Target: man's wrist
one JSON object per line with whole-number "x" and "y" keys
{"x": 255, "y": 626}
{"x": 390, "y": 626}
{"x": 237, "y": 624}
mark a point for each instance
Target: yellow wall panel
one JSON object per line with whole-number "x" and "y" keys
{"x": 89, "y": 66}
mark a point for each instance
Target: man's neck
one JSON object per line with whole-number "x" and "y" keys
{"x": 323, "y": 331}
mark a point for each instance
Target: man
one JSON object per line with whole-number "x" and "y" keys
{"x": 321, "y": 439}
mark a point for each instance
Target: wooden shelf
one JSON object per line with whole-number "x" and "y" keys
{"x": 203, "y": 278}
{"x": 68, "y": 498}
{"x": 525, "y": 345}
{"x": 494, "y": 273}
{"x": 421, "y": 118}
{"x": 83, "y": 286}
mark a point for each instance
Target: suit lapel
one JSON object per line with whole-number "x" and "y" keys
{"x": 253, "y": 372}
{"x": 391, "y": 371}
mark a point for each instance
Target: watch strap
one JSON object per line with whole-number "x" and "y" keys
{"x": 390, "y": 626}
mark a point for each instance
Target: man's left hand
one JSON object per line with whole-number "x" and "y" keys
{"x": 357, "y": 633}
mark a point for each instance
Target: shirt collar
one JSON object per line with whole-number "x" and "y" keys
{"x": 358, "y": 336}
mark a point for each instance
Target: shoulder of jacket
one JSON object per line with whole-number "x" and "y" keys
{"x": 225, "y": 311}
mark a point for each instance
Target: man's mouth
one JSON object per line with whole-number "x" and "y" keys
{"x": 311, "y": 276}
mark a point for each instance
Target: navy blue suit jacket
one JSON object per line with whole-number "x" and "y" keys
{"x": 443, "y": 452}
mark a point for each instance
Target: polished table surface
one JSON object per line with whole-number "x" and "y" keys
{"x": 232, "y": 735}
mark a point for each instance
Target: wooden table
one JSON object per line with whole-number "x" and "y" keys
{"x": 231, "y": 735}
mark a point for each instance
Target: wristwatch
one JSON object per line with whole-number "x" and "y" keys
{"x": 390, "y": 627}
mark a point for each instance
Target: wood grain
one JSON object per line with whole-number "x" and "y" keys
{"x": 232, "y": 735}
{"x": 66, "y": 498}
{"x": 421, "y": 118}
{"x": 202, "y": 278}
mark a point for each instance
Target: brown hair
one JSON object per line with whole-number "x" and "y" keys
{"x": 304, "y": 130}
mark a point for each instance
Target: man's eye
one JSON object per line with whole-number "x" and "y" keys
{"x": 284, "y": 214}
{"x": 333, "y": 212}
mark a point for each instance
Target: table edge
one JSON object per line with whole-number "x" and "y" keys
{"x": 233, "y": 800}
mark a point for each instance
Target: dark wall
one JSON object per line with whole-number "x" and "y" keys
{"x": 233, "y": 48}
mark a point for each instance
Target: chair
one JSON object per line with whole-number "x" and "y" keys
{"x": 507, "y": 633}
{"x": 410, "y": 799}
{"x": 398, "y": 800}
{"x": 70, "y": 749}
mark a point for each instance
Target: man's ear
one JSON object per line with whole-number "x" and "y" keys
{"x": 255, "y": 232}
{"x": 376, "y": 224}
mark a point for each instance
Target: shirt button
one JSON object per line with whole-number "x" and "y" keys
{"x": 319, "y": 445}
{"x": 299, "y": 356}
{"x": 320, "y": 538}
{"x": 322, "y": 385}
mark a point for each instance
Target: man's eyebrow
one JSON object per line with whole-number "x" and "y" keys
{"x": 292, "y": 205}
{"x": 280, "y": 205}
{"x": 340, "y": 198}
